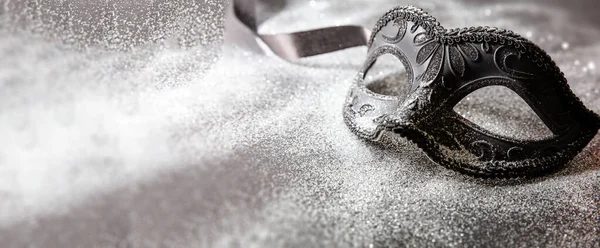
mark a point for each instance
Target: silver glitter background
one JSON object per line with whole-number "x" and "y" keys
{"x": 134, "y": 124}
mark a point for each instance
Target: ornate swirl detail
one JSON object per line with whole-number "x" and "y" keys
{"x": 483, "y": 150}
{"x": 364, "y": 109}
{"x": 409, "y": 13}
{"x": 401, "y": 24}
{"x": 509, "y": 61}
{"x": 515, "y": 153}
{"x": 469, "y": 59}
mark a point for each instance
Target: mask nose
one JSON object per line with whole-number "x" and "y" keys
{"x": 406, "y": 114}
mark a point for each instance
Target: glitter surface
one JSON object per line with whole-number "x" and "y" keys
{"x": 168, "y": 137}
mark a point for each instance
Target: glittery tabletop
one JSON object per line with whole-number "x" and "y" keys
{"x": 141, "y": 124}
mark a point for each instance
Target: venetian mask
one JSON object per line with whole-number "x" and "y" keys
{"x": 444, "y": 66}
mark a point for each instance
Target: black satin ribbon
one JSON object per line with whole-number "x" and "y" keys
{"x": 290, "y": 46}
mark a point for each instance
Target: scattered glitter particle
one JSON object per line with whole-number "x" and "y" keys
{"x": 253, "y": 153}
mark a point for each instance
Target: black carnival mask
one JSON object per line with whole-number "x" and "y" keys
{"x": 443, "y": 66}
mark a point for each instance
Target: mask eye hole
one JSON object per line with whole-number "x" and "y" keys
{"x": 501, "y": 111}
{"x": 387, "y": 76}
